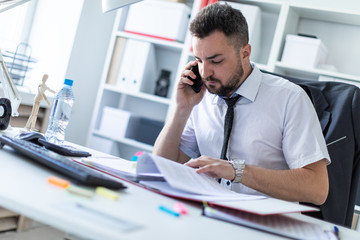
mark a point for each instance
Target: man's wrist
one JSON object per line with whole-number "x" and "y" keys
{"x": 239, "y": 166}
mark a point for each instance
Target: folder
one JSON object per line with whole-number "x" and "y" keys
{"x": 138, "y": 65}
{"x": 280, "y": 225}
{"x": 116, "y": 58}
{"x": 143, "y": 71}
{"x": 126, "y": 65}
{"x": 181, "y": 181}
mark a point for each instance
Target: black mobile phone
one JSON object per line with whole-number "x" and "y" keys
{"x": 197, "y": 81}
{"x": 64, "y": 150}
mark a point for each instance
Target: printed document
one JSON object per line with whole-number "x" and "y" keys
{"x": 185, "y": 179}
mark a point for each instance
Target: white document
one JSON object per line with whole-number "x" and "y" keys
{"x": 183, "y": 181}
{"x": 182, "y": 177}
{"x": 120, "y": 167}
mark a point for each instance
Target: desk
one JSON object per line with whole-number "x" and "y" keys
{"x": 24, "y": 189}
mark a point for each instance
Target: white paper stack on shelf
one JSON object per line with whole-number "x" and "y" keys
{"x": 159, "y": 19}
{"x": 138, "y": 67}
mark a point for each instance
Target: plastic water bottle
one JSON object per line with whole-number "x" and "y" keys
{"x": 60, "y": 114}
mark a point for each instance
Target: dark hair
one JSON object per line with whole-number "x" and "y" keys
{"x": 224, "y": 18}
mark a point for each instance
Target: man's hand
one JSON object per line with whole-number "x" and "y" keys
{"x": 216, "y": 168}
{"x": 185, "y": 96}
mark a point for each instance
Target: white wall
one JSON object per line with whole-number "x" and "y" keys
{"x": 86, "y": 65}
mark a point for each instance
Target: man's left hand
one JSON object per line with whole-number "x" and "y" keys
{"x": 214, "y": 167}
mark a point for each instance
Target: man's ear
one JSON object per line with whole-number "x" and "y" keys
{"x": 245, "y": 52}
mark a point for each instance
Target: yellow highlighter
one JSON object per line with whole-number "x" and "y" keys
{"x": 107, "y": 193}
{"x": 80, "y": 191}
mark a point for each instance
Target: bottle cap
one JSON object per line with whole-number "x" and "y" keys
{"x": 68, "y": 82}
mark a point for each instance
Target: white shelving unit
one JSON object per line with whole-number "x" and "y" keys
{"x": 338, "y": 28}
{"x": 169, "y": 55}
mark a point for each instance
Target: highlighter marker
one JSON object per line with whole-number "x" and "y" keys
{"x": 180, "y": 208}
{"x": 107, "y": 193}
{"x": 58, "y": 182}
{"x": 168, "y": 210}
{"x": 80, "y": 191}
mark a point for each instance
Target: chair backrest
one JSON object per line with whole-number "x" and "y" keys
{"x": 338, "y": 107}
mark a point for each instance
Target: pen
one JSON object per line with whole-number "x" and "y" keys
{"x": 336, "y": 232}
{"x": 168, "y": 210}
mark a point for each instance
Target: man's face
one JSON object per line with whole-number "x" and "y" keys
{"x": 220, "y": 65}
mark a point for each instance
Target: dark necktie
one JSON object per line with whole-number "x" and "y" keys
{"x": 228, "y": 123}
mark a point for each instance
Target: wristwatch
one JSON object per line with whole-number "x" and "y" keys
{"x": 239, "y": 166}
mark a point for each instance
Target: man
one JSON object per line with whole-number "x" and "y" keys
{"x": 275, "y": 133}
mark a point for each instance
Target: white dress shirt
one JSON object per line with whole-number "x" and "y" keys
{"x": 275, "y": 126}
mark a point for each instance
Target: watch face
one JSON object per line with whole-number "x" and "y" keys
{"x": 238, "y": 163}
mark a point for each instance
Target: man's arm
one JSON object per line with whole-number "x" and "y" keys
{"x": 307, "y": 184}
{"x": 167, "y": 143}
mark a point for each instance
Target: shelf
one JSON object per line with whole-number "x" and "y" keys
{"x": 164, "y": 43}
{"x": 328, "y": 14}
{"x": 338, "y": 28}
{"x": 126, "y": 141}
{"x": 313, "y": 73}
{"x": 141, "y": 95}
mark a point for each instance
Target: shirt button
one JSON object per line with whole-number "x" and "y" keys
{"x": 228, "y": 183}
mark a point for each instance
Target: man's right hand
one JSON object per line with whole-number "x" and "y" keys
{"x": 186, "y": 97}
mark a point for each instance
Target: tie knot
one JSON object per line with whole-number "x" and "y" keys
{"x": 231, "y": 101}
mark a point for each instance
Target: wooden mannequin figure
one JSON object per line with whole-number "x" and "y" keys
{"x": 42, "y": 88}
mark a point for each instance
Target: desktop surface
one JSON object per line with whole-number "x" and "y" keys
{"x": 135, "y": 215}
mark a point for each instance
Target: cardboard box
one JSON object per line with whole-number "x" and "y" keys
{"x": 303, "y": 51}
{"x": 159, "y": 19}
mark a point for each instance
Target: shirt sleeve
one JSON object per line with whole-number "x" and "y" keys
{"x": 188, "y": 143}
{"x": 303, "y": 141}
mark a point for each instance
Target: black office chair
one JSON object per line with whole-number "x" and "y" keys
{"x": 338, "y": 108}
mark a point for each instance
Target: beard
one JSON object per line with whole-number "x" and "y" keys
{"x": 231, "y": 85}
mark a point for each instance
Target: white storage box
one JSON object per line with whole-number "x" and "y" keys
{"x": 116, "y": 122}
{"x": 160, "y": 19}
{"x": 104, "y": 145}
{"x": 252, "y": 15}
{"x": 304, "y": 51}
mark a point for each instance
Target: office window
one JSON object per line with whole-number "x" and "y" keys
{"x": 15, "y": 25}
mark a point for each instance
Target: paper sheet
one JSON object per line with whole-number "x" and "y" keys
{"x": 185, "y": 178}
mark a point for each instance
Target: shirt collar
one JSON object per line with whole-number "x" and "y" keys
{"x": 248, "y": 89}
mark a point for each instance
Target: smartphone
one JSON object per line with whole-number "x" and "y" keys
{"x": 64, "y": 150}
{"x": 197, "y": 81}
